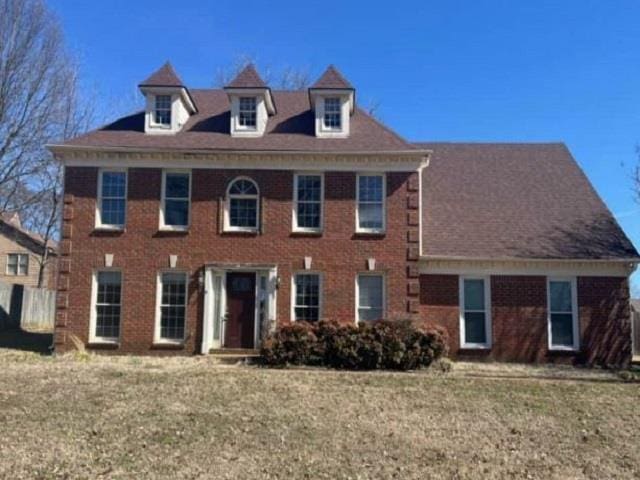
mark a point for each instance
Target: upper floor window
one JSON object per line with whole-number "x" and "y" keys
{"x": 563, "y": 314}
{"x": 242, "y": 205}
{"x": 247, "y": 113}
{"x": 308, "y": 193}
{"x": 162, "y": 110}
{"x": 18, "y": 264}
{"x": 176, "y": 197}
{"x": 370, "y": 297}
{"x": 112, "y": 199}
{"x": 370, "y": 211}
{"x": 475, "y": 312}
{"x": 332, "y": 113}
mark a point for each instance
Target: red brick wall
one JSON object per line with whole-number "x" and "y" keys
{"x": 519, "y": 318}
{"x": 141, "y": 250}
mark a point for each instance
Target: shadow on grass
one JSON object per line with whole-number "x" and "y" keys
{"x": 18, "y": 339}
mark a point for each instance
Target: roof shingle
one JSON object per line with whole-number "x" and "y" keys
{"x": 165, "y": 76}
{"x": 332, "y": 79}
{"x": 247, "y": 78}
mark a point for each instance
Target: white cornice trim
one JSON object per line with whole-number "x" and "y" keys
{"x": 592, "y": 268}
{"x": 262, "y": 160}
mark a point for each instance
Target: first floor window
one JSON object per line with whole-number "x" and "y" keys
{"x": 107, "y": 304}
{"x": 162, "y": 112}
{"x": 247, "y": 116}
{"x": 370, "y": 297}
{"x": 173, "y": 306}
{"x": 176, "y": 198}
{"x": 563, "y": 315}
{"x": 18, "y": 264}
{"x": 332, "y": 115}
{"x": 306, "y": 296}
{"x": 370, "y": 198}
{"x": 112, "y": 198}
{"x": 475, "y": 313}
{"x": 242, "y": 198}
{"x": 308, "y": 202}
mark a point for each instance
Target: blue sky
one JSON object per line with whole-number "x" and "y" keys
{"x": 447, "y": 70}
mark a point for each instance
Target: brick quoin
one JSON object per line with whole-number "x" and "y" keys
{"x": 519, "y": 319}
{"x": 141, "y": 250}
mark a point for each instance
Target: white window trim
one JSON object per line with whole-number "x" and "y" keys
{"x": 384, "y": 293}
{"x": 98, "y": 223}
{"x": 93, "y": 317}
{"x": 245, "y": 128}
{"x": 227, "y": 207}
{"x": 574, "y": 314}
{"x": 296, "y": 228}
{"x": 152, "y": 118}
{"x": 174, "y": 228}
{"x": 324, "y": 127}
{"x": 17, "y": 274}
{"x": 384, "y": 204}
{"x": 157, "y": 340}
{"x": 487, "y": 312}
{"x": 293, "y": 292}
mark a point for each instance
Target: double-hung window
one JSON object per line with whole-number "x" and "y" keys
{"x": 242, "y": 209}
{"x": 562, "y": 314}
{"x": 18, "y": 264}
{"x": 112, "y": 199}
{"x": 176, "y": 197}
{"x": 475, "y": 312}
{"x": 172, "y": 307}
{"x": 162, "y": 110}
{"x": 370, "y": 295}
{"x": 306, "y": 297}
{"x": 370, "y": 211}
{"x": 247, "y": 113}
{"x": 308, "y": 195}
{"x": 107, "y": 302}
{"x": 332, "y": 119}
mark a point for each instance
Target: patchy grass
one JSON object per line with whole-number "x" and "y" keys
{"x": 134, "y": 417}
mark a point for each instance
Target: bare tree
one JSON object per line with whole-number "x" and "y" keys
{"x": 39, "y": 104}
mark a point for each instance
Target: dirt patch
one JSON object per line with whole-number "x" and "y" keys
{"x": 134, "y": 417}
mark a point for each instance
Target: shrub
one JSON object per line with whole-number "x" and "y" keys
{"x": 394, "y": 345}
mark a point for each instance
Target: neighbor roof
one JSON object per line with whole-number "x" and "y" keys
{"x": 332, "y": 79}
{"x": 514, "y": 201}
{"x": 292, "y": 128}
{"x": 247, "y": 78}
{"x": 11, "y": 227}
{"x": 165, "y": 76}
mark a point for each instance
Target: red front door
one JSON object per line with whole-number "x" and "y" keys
{"x": 241, "y": 303}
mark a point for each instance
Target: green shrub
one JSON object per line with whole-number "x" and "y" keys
{"x": 393, "y": 345}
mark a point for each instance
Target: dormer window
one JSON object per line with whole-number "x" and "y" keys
{"x": 332, "y": 113}
{"x": 247, "y": 114}
{"x": 162, "y": 112}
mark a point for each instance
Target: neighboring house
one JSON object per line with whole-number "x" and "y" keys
{"x": 217, "y": 214}
{"x": 21, "y": 254}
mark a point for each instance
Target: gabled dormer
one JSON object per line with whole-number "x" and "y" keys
{"x": 168, "y": 103}
{"x": 333, "y": 100}
{"x": 251, "y": 103}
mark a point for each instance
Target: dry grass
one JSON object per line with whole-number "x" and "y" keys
{"x": 132, "y": 417}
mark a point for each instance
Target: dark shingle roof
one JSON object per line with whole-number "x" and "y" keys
{"x": 165, "y": 76}
{"x": 332, "y": 79}
{"x": 247, "y": 78}
{"x": 291, "y": 128}
{"x": 515, "y": 201}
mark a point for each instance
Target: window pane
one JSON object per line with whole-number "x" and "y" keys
{"x": 309, "y": 187}
{"x": 243, "y": 212}
{"x": 108, "y": 304}
{"x": 369, "y": 314}
{"x": 307, "y": 297}
{"x": 173, "y": 307}
{"x": 12, "y": 264}
{"x": 23, "y": 264}
{"x": 562, "y": 329}
{"x": 243, "y": 187}
{"x": 370, "y": 215}
{"x": 176, "y": 212}
{"x": 177, "y": 185}
{"x": 309, "y": 215}
{"x": 370, "y": 291}
{"x": 370, "y": 188}
{"x": 113, "y": 184}
{"x": 560, "y": 296}
{"x": 474, "y": 294}
{"x": 307, "y": 314}
{"x": 112, "y": 212}
{"x": 474, "y": 327}
{"x": 108, "y": 321}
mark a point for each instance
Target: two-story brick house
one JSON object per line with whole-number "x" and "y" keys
{"x": 215, "y": 214}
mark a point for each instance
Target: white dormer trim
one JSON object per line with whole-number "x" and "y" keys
{"x": 318, "y": 97}
{"x": 181, "y": 109}
{"x": 264, "y": 108}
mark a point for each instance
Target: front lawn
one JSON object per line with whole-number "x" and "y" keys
{"x": 134, "y": 417}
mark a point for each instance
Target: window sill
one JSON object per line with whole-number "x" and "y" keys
{"x": 168, "y": 345}
{"x": 108, "y": 228}
{"x": 472, "y": 346}
{"x": 370, "y": 233}
{"x": 306, "y": 233}
{"x": 241, "y": 231}
{"x": 168, "y": 229}
{"x": 106, "y": 344}
{"x": 563, "y": 350}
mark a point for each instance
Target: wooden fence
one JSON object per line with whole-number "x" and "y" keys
{"x": 635, "y": 328}
{"x": 26, "y": 307}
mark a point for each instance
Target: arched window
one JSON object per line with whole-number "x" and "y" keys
{"x": 242, "y": 207}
